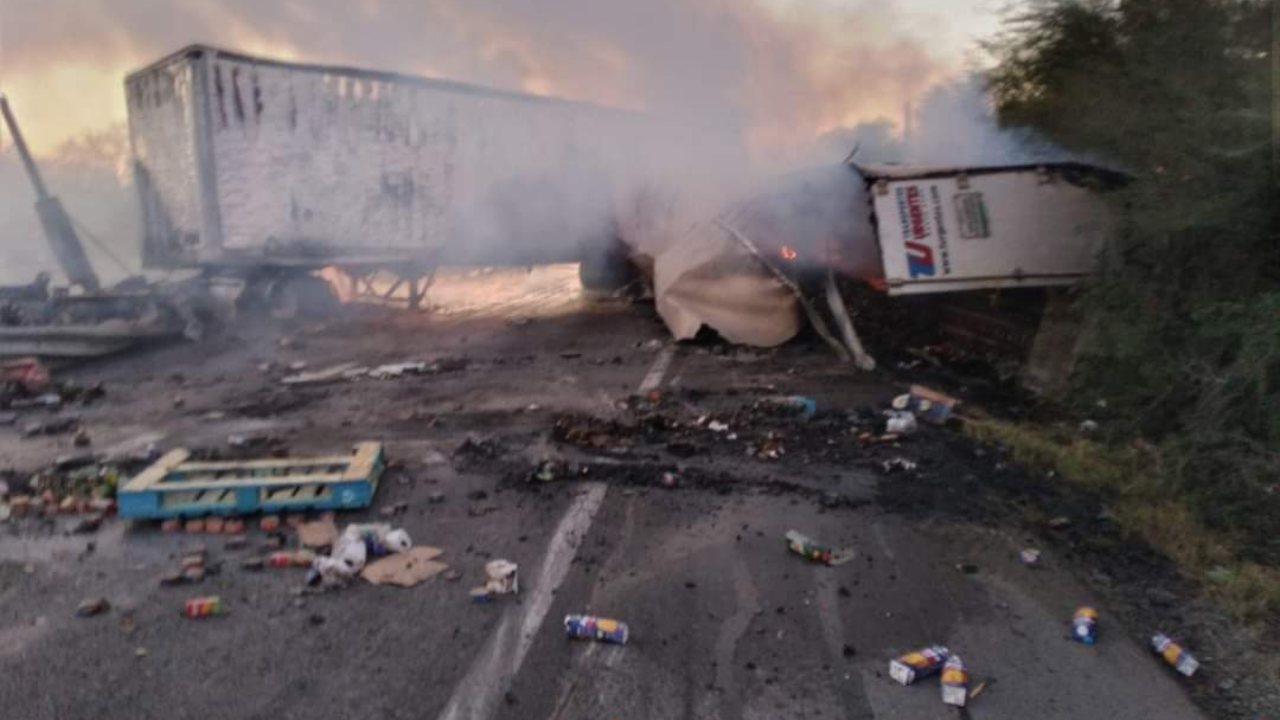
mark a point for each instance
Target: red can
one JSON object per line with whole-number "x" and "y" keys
{"x": 202, "y": 607}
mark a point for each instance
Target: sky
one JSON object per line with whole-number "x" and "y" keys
{"x": 782, "y": 70}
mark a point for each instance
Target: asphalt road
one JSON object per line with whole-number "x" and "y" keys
{"x": 725, "y": 623}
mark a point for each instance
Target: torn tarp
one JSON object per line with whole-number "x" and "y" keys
{"x": 742, "y": 273}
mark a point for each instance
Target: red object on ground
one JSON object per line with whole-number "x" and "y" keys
{"x": 27, "y": 372}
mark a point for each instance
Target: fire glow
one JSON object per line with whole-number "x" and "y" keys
{"x": 787, "y": 252}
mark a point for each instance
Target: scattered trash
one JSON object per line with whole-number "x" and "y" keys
{"x": 717, "y": 426}
{"x": 291, "y": 558}
{"x": 353, "y": 549}
{"x": 1088, "y": 427}
{"x": 955, "y": 682}
{"x": 669, "y": 480}
{"x": 203, "y": 607}
{"x": 810, "y": 549}
{"x": 330, "y": 374}
{"x": 1084, "y": 626}
{"x": 1059, "y": 522}
{"x": 900, "y": 422}
{"x": 53, "y": 426}
{"x": 800, "y": 405}
{"x": 26, "y": 373}
{"x": 589, "y": 627}
{"x": 978, "y": 690}
{"x": 898, "y": 463}
{"x": 1030, "y": 557}
{"x": 405, "y": 569}
{"x": 503, "y": 579}
{"x": 930, "y": 405}
{"x": 317, "y": 534}
{"x": 1174, "y": 654}
{"x": 92, "y": 606}
{"x": 919, "y": 664}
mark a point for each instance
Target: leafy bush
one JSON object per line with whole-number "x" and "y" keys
{"x": 1184, "y": 319}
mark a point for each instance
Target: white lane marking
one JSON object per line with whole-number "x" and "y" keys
{"x": 656, "y": 371}
{"x": 490, "y": 676}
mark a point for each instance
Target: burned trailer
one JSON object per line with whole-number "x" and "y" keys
{"x": 266, "y": 171}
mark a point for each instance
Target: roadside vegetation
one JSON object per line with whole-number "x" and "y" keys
{"x": 1180, "y": 362}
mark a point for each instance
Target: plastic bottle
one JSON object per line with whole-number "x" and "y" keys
{"x": 1174, "y": 654}
{"x": 1084, "y": 626}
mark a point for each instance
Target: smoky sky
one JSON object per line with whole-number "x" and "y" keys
{"x": 776, "y": 70}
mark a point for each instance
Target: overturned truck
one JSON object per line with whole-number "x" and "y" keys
{"x": 984, "y": 251}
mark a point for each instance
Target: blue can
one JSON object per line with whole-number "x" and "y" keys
{"x": 589, "y": 627}
{"x": 1084, "y": 626}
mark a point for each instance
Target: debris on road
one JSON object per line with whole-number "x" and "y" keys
{"x": 895, "y": 464}
{"x": 352, "y": 550}
{"x": 92, "y": 607}
{"x": 331, "y": 374}
{"x": 900, "y": 422}
{"x": 1084, "y": 626}
{"x": 1030, "y": 557}
{"x": 955, "y": 682}
{"x": 52, "y": 426}
{"x": 405, "y": 569}
{"x": 291, "y": 558}
{"x": 805, "y": 547}
{"x": 919, "y": 664}
{"x": 1174, "y": 654}
{"x": 503, "y": 579}
{"x": 589, "y": 627}
{"x": 27, "y": 374}
{"x": 929, "y": 405}
{"x": 203, "y": 607}
{"x": 241, "y": 487}
{"x": 318, "y": 533}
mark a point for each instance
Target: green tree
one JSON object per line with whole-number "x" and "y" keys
{"x": 1184, "y": 341}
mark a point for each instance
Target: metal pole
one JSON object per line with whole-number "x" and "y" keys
{"x": 33, "y": 172}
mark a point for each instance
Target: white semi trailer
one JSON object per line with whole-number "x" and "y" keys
{"x": 266, "y": 170}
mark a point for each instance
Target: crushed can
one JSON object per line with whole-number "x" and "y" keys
{"x": 919, "y": 664}
{"x": 589, "y": 627}
{"x": 202, "y": 607}
{"x": 1174, "y": 654}
{"x": 291, "y": 558}
{"x": 1084, "y": 626}
{"x": 955, "y": 682}
{"x": 808, "y": 548}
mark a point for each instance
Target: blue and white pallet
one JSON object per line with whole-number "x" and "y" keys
{"x": 173, "y": 487}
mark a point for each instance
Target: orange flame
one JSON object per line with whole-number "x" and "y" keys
{"x": 787, "y": 252}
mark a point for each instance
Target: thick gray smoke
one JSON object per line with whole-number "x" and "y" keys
{"x": 742, "y": 87}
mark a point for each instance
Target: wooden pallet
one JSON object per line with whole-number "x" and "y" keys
{"x": 173, "y": 487}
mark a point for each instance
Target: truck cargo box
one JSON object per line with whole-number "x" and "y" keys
{"x": 944, "y": 229}
{"x": 248, "y": 161}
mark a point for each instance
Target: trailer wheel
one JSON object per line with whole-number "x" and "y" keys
{"x": 609, "y": 270}
{"x": 298, "y": 295}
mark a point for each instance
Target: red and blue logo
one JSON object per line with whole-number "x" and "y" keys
{"x": 915, "y": 229}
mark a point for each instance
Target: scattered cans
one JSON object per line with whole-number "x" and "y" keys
{"x": 808, "y": 548}
{"x": 590, "y": 627}
{"x": 955, "y": 682}
{"x": 1174, "y": 654}
{"x": 202, "y": 607}
{"x": 1084, "y": 626}
{"x": 919, "y": 664}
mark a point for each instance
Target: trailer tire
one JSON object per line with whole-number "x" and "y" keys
{"x": 606, "y": 271}
{"x": 299, "y": 295}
